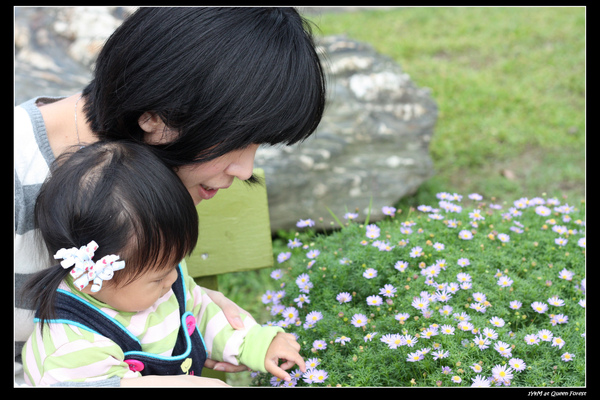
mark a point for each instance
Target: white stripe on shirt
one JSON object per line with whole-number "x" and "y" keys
{"x": 30, "y": 165}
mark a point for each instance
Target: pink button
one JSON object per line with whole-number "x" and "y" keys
{"x": 190, "y": 323}
{"x": 135, "y": 365}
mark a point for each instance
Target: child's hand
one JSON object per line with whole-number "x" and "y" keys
{"x": 285, "y": 347}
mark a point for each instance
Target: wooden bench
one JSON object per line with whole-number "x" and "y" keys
{"x": 234, "y": 236}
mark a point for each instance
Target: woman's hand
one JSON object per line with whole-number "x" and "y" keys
{"x": 232, "y": 312}
{"x": 230, "y": 309}
{"x": 224, "y": 366}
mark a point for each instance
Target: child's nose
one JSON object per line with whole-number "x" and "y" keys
{"x": 171, "y": 278}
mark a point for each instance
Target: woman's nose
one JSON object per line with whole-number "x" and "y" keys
{"x": 243, "y": 166}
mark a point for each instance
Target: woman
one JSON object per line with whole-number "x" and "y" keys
{"x": 202, "y": 87}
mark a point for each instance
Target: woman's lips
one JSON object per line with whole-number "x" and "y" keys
{"x": 207, "y": 193}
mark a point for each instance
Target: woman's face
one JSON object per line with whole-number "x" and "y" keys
{"x": 203, "y": 181}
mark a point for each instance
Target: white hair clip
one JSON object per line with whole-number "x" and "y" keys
{"x": 85, "y": 270}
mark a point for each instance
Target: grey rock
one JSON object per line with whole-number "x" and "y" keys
{"x": 371, "y": 146}
{"x": 55, "y": 47}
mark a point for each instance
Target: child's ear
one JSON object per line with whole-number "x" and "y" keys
{"x": 155, "y": 128}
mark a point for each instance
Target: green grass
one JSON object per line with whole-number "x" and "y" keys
{"x": 509, "y": 83}
{"x": 510, "y": 87}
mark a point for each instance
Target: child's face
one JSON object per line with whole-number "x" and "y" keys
{"x": 203, "y": 181}
{"x": 138, "y": 295}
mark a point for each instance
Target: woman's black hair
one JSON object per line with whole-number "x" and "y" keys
{"x": 120, "y": 195}
{"x": 222, "y": 77}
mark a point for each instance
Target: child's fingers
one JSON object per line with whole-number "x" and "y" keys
{"x": 296, "y": 360}
{"x": 291, "y": 359}
{"x": 291, "y": 340}
{"x": 287, "y": 365}
{"x": 277, "y": 371}
{"x": 284, "y": 347}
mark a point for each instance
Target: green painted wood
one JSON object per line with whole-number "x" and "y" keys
{"x": 209, "y": 282}
{"x": 234, "y": 231}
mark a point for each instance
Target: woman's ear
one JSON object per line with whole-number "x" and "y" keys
{"x": 155, "y": 128}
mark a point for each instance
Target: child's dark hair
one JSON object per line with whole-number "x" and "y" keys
{"x": 120, "y": 195}
{"x": 223, "y": 78}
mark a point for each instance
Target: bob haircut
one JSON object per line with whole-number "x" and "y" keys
{"x": 122, "y": 196}
{"x": 223, "y": 78}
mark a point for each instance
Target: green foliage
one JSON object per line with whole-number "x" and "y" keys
{"x": 531, "y": 258}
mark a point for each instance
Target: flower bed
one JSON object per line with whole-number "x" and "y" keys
{"x": 461, "y": 293}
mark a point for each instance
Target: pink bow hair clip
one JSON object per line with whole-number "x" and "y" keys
{"x": 85, "y": 270}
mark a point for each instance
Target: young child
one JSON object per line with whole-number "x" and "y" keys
{"x": 118, "y": 303}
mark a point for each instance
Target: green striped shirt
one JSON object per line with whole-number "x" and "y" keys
{"x": 68, "y": 353}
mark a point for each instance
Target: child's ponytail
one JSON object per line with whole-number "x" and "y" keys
{"x": 40, "y": 289}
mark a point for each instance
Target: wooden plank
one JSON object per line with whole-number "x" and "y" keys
{"x": 234, "y": 231}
